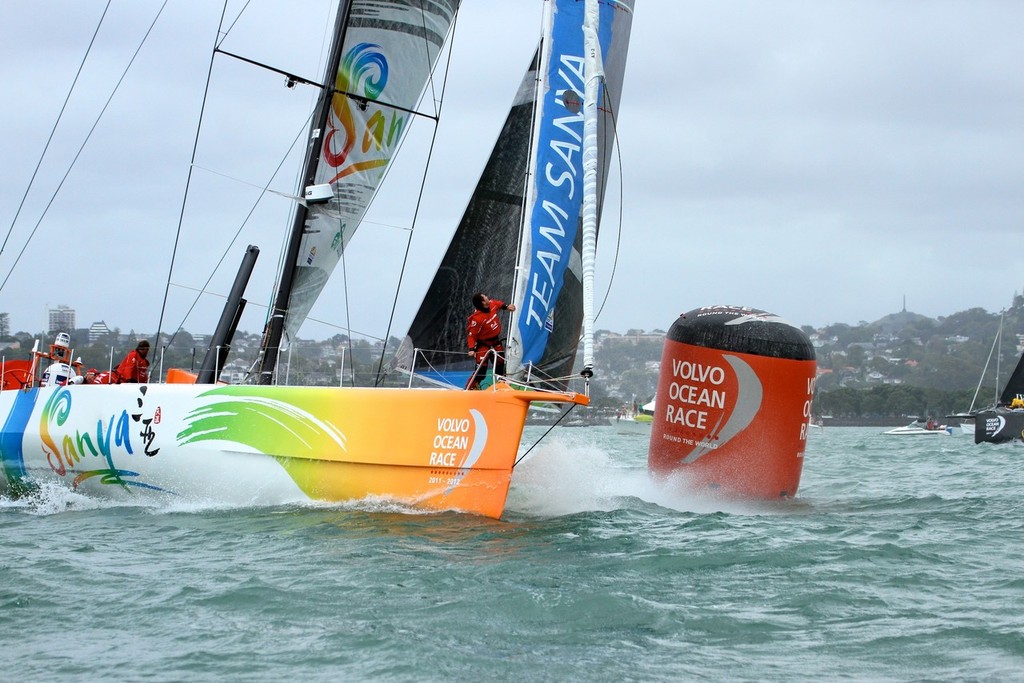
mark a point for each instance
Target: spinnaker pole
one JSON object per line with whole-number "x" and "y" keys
{"x": 220, "y": 344}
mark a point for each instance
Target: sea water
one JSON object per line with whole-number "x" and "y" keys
{"x": 900, "y": 559}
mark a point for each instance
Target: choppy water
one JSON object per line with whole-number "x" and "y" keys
{"x": 900, "y": 559}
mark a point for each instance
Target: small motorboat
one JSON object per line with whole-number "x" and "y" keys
{"x": 918, "y": 428}
{"x": 634, "y": 419}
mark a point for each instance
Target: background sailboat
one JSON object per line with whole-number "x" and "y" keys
{"x": 1004, "y": 421}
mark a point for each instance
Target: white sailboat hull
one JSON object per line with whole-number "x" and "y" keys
{"x": 250, "y": 445}
{"x": 912, "y": 430}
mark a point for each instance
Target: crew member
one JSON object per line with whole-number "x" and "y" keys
{"x": 135, "y": 367}
{"x": 93, "y": 376}
{"x": 483, "y": 334}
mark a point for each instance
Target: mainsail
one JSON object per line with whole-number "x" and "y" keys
{"x": 525, "y": 213}
{"x": 1015, "y": 385}
{"x": 381, "y": 61}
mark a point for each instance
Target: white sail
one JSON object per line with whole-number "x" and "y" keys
{"x": 389, "y": 50}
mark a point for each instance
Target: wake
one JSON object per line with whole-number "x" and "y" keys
{"x": 566, "y": 475}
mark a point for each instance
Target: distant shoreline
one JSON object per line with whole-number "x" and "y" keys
{"x": 879, "y": 421}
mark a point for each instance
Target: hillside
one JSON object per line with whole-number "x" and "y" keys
{"x": 886, "y": 357}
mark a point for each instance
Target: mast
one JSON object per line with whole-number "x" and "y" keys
{"x": 984, "y": 370}
{"x": 381, "y": 63}
{"x": 594, "y": 73}
{"x": 271, "y": 345}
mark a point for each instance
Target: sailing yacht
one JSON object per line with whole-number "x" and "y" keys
{"x": 1005, "y": 420}
{"x": 530, "y": 228}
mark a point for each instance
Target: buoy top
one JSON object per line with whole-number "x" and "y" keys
{"x": 743, "y": 330}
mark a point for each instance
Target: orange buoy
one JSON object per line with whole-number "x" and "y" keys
{"x": 733, "y": 403}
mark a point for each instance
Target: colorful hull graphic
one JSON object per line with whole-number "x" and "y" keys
{"x": 999, "y": 425}
{"x": 253, "y": 445}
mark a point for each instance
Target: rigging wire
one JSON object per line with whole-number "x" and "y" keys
{"x": 981, "y": 380}
{"x": 276, "y": 332}
{"x": 344, "y": 287}
{"x": 53, "y": 130}
{"x": 222, "y": 35}
{"x": 291, "y": 80}
{"x": 332, "y": 91}
{"x": 618, "y": 232}
{"x": 326, "y": 40}
{"x": 543, "y": 436}
{"x": 81, "y": 148}
{"x": 324, "y": 323}
{"x": 348, "y": 309}
{"x": 188, "y": 178}
{"x": 263, "y": 192}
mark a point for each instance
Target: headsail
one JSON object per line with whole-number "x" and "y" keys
{"x": 383, "y": 57}
{"x": 549, "y": 288}
{"x": 535, "y": 170}
{"x": 482, "y": 253}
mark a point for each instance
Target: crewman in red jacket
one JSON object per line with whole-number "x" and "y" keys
{"x": 483, "y": 334}
{"x": 135, "y": 367}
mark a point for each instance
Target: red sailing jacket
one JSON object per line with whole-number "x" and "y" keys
{"x": 134, "y": 368}
{"x": 484, "y": 327}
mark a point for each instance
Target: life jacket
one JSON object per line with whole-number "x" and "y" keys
{"x": 134, "y": 368}
{"x": 483, "y": 329}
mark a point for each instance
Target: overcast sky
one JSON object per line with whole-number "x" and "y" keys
{"x": 819, "y": 160}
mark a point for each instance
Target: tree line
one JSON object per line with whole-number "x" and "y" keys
{"x": 929, "y": 367}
